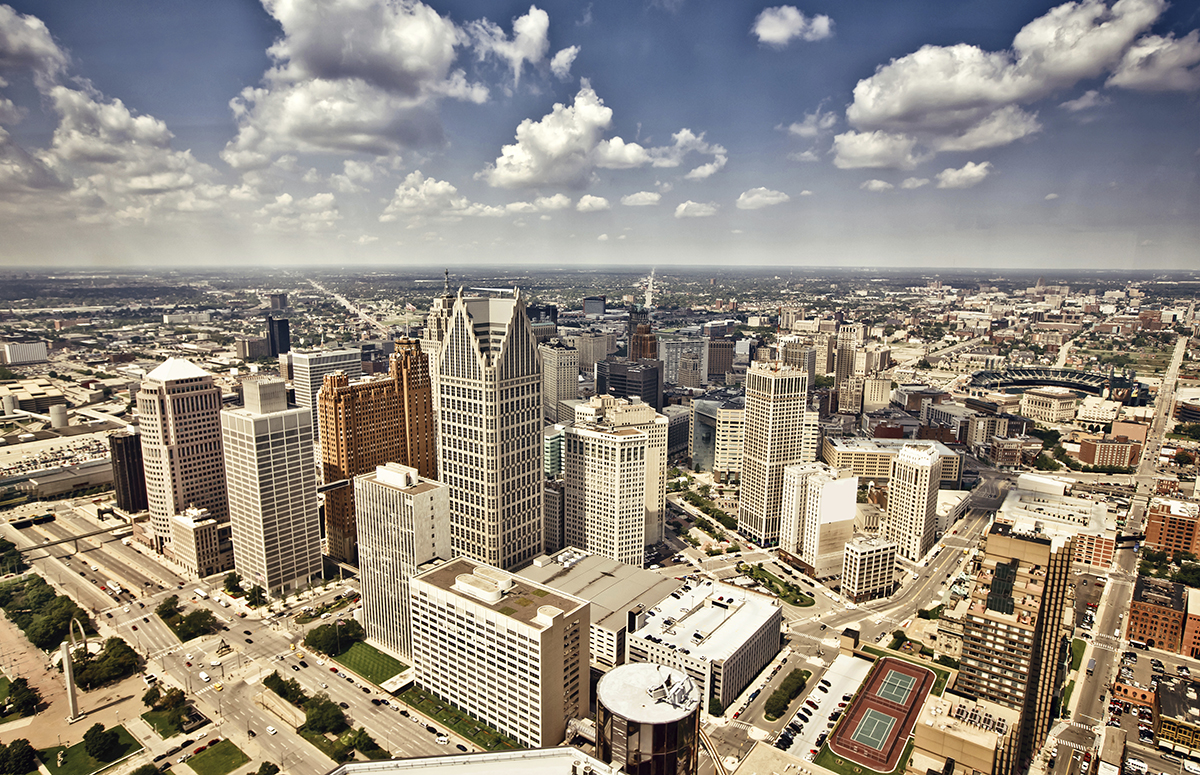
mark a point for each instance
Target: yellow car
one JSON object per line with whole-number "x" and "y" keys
{"x": 293, "y": 647}
{"x": 219, "y": 687}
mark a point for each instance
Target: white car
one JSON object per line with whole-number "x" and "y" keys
{"x": 271, "y": 730}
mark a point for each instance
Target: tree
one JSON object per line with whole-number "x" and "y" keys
{"x": 233, "y": 583}
{"x": 267, "y": 768}
{"x": 146, "y": 769}
{"x": 24, "y": 698}
{"x": 322, "y": 715}
{"x": 1184, "y": 458}
{"x": 172, "y": 698}
{"x": 21, "y": 757}
{"x": 168, "y": 608}
{"x": 715, "y": 708}
{"x": 99, "y": 743}
{"x": 256, "y": 596}
{"x": 151, "y": 697}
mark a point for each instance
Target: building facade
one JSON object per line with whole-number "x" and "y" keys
{"x": 605, "y": 491}
{"x": 819, "y": 505}
{"x": 868, "y": 569}
{"x": 911, "y": 520}
{"x": 1049, "y": 404}
{"x": 643, "y": 379}
{"x": 560, "y": 375}
{"x": 129, "y": 474}
{"x": 271, "y": 479}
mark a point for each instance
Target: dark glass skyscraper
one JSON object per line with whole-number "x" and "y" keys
{"x": 278, "y": 336}
{"x": 129, "y": 476}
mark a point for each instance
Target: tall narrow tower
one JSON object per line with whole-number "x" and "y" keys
{"x": 774, "y": 438}
{"x": 911, "y": 519}
{"x": 179, "y": 411}
{"x": 489, "y": 404}
{"x": 272, "y": 484}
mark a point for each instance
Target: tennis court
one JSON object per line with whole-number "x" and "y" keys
{"x": 873, "y": 729}
{"x": 896, "y": 687}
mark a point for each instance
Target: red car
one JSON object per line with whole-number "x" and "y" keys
{"x": 333, "y": 669}
{"x": 737, "y": 713}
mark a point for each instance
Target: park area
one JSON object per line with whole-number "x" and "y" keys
{"x": 369, "y": 662}
{"x": 472, "y": 729}
{"x": 219, "y": 759}
{"x": 78, "y": 762}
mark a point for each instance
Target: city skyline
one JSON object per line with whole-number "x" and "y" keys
{"x": 923, "y": 134}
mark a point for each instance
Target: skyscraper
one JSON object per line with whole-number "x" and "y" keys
{"x": 817, "y": 517}
{"x": 1014, "y": 638}
{"x": 911, "y": 519}
{"x": 365, "y": 424}
{"x": 272, "y": 486}
{"x": 849, "y": 339}
{"x": 605, "y": 491}
{"x": 129, "y": 475}
{"x": 774, "y": 437}
{"x": 489, "y": 405}
{"x": 403, "y": 522}
{"x": 642, "y": 380}
{"x": 560, "y": 375}
{"x": 279, "y": 338}
{"x": 309, "y": 368}
{"x": 179, "y": 412}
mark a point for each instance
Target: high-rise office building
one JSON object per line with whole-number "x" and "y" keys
{"x": 489, "y": 404}
{"x": 605, "y": 491}
{"x": 638, "y": 316}
{"x": 514, "y": 654}
{"x": 819, "y": 504}
{"x": 403, "y": 522}
{"x": 278, "y": 300}
{"x": 671, "y": 350}
{"x": 868, "y": 569}
{"x": 774, "y": 437}
{"x": 129, "y": 475}
{"x": 179, "y": 413}
{"x": 272, "y": 484}
{"x": 309, "y": 368}
{"x": 642, "y": 380}
{"x": 618, "y": 414}
{"x": 279, "y": 337}
{"x": 721, "y": 351}
{"x": 849, "y": 339}
{"x": 689, "y": 371}
{"x": 594, "y": 306}
{"x": 1013, "y": 627}
{"x": 593, "y": 348}
{"x": 644, "y": 345}
{"x": 560, "y": 375}
{"x": 367, "y": 423}
{"x": 911, "y": 519}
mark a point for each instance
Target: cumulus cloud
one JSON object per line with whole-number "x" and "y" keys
{"x": 1051, "y": 197}
{"x": 418, "y": 195}
{"x": 641, "y": 199}
{"x": 875, "y": 150}
{"x": 602, "y": 238}
{"x": 690, "y": 209}
{"x": 971, "y": 174}
{"x": 963, "y": 98}
{"x": 317, "y": 213}
{"x": 876, "y": 186}
{"x": 813, "y": 124}
{"x": 911, "y": 183}
{"x": 1089, "y": 99}
{"x": 561, "y": 63}
{"x": 758, "y": 198}
{"x": 26, "y": 45}
{"x": 556, "y": 202}
{"x": 528, "y": 43}
{"x": 566, "y": 145}
{"x": 707, "y": 170}
{"x": 591, "y": 204}
{"x": 355, "y": 77}
{"x": 806, "y": 192}
{"x": 1158, "y": 63}
{"x": 780, "y": 25}
{"x": 805, "y": 156}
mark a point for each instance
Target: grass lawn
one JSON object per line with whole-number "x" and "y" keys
{"x": 1077, "y": 647}
{"x": 157, "y": 719}
{"x": 219, "y": 759}
{"x": 474, "y": 730}
{"x": 834, "y": 763}
{"x": 4, "y": 684}
{"x": 942, "y": 674}
{"x": 322, "y": 743}
{"x": 370, "y": 663}
{"x": 79, "y": 763}
{"x": 1066, "y": 699}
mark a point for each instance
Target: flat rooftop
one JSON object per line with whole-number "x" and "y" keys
{"x": 707, "y": 619}
{"x": 888, "y": 446}
{"x": 1055, "y": 514}
{"x": 612, "y": 587}
{"x": 1160, "y": 592}
{"x": 521, "y": 601}
{"x": 536, "y": 761}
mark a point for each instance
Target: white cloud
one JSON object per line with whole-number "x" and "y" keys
{"x": 528, "y": 43}
{"x": 971, "y": 174}
{"x": 26, "y": 44}
{"x": 1158, "y": 63}
{"x": 757, "y": 198}
{"x": 565, "y": 146}
{"x": 690, "y": 209}
{"x": 778, "y": 26}
{"x": 1051, "y": 197}
{"x": 875, "y": 150}
{"x": 591, "y": 204}
{"x": 963, "y": 98}
{"x": 350, "y": 77}
{"x": 805, "y": 156}
{"x": 641, "y": 199}
{"x": 1089, "y": 99}
{"x": 365, "y": 239}
{"x": 561, "y": 63}
{"x": 806, "y": 192}
{"x": 556, "y": 202}
{"x": 707, "y": 170}
{"x": 911, "y": 183}
{"x": 419, "y": 195}
{"x": 813, "y": 124}
{"x": 317, "y": 213}
{"x": 876, "y": 186}
{"x": 602, "y": 238}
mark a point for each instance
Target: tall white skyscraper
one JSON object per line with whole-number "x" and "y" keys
{"x": 911, "y": 518}
{"x": 403, "y": 522}
{"x": 309, "y": 368}
{"x": 605, "y": 481}
{"x": 272, "y": 483}
{"x": 179, "y": 412}
{"x": 817, "y": 520}
{"x": 489, "y": 406}
{"x": 617, "y": 413}
{"x": 778, "y": 433}
{"x": 560, "y": 375}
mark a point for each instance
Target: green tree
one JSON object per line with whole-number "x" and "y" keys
{"x": 99, "y": 743}
{"x": 267, "y": 768}
{"x": 257, "y": 596}
{"x": 1184, "y": 458}
{"x": 172, "y": 698}
{"x": 151, "y": 697}
{"x": 21, "y": 757}
{"x": 233, "y": 583}
{"x": 146, "y": 769}
{"x": 715, "y": 707}
{"x": 322, "y": 715}
{"x": 25, "y": 699}
{"x": 168, "y": 608}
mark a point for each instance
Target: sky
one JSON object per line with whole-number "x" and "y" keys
{"x": 925, "y": 133}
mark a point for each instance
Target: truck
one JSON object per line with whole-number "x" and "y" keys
{"x": 114, "y": 587}
{"x": 1091, "y": 666}
{"x": 200, "y": 593}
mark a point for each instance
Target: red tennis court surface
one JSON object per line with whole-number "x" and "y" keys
{"x": 878, "y": 723}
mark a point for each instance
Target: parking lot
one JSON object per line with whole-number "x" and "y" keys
{"x": 824, "y": 704}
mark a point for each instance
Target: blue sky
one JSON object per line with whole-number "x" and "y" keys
{"x": 869, "y": 133}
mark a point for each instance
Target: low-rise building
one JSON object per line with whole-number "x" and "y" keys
{"x": 868, "y": 569}
{"x": 1049, "y": 404}
{"x": 1157, "y": 613}
{"x": 201, "y": 544}
{"x": 872, "y": 458}
{"x": 1040, "y": 503}
{"x": 1110, "y": 451}
{"x": 976, "y": 736}
{"x": 1171, "y": 525}
{"x": 1177, "y": 717}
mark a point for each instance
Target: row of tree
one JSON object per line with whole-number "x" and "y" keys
{"x": 17, "y": 758}
{"x": 116, "y": 660}
{"x": 256, "y": 596}
{"x": 42, "y": 614}
{"x": 334, "y": 639}
{"x": 788, "y": 690}
{"x": 186, "y": 626}
{"x": 23, "y": 698}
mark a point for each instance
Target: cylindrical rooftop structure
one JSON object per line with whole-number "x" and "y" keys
{"x": 58, "y": 416}
{"x": 648, "y": 720}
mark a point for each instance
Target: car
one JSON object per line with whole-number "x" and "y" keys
{"x": 403, "y": 712}
{"x": 375, "y": 701}
{"x": 189, "y": 664}
{"x": 252, "y": 733}
{"x": 126, "y": 609}
{"x": 141, "y": 605}
{"x": 333, "y": 669}
{"x": 303, "y": 663}
{"x": 218, "y": 686}
{"x": 430, "y": 729}
{"x": 271, "y": 730}
{"x": 249, "y": 640}
{"x": 107, "y": 615}
{"x": 183, "y": 758}
{"x": 823, "y": 689}
{"x": 737, "y": 713}
{"x": 344, "y": 705}
{"x": 442, "y": 740}
{"x": 366, "y": 690}
{"x": 461, "y": 747}
{"x": 145, "y": 620}
{"x": 296, "y": 668}
{"x": 245, "y": 632}
{"x": 185, "y": 744}
{"x": 385, "y": 702}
